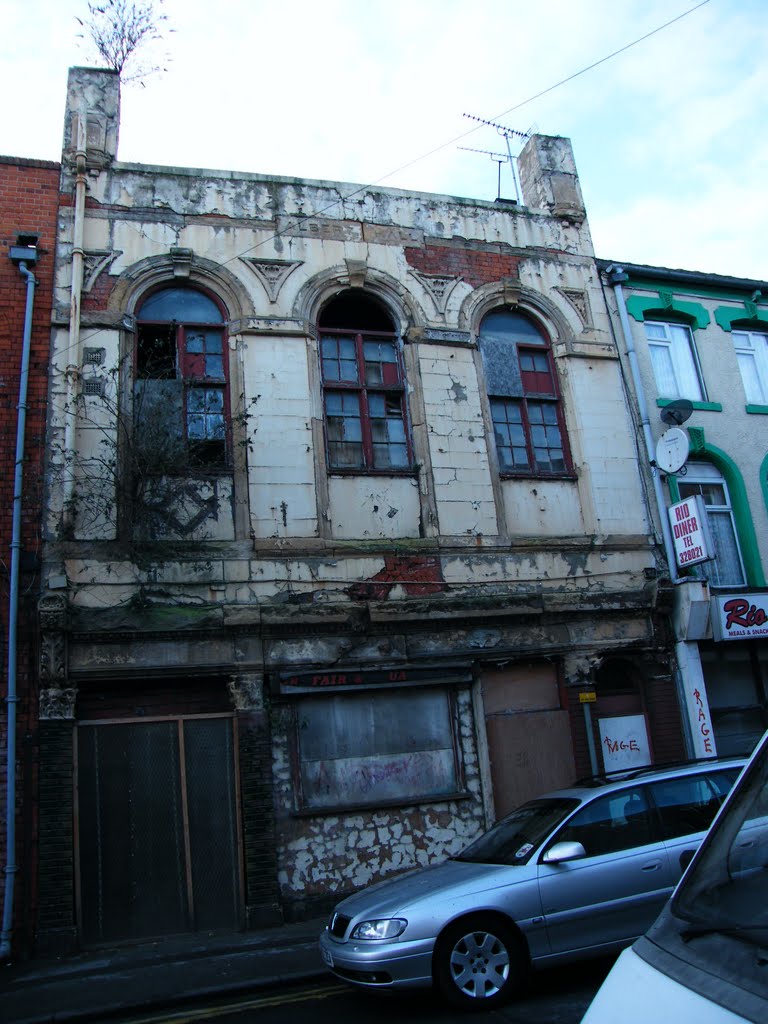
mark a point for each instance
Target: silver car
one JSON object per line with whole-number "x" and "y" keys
{"x": 576, "y": 873}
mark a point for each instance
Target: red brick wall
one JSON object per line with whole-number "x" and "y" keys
{"x": 482, "y": 264}
{"x": 28, "y": 205}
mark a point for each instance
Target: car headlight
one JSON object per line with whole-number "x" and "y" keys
{"x": 389, "y": 928}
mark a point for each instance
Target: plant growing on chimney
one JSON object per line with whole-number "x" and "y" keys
{"x": 123, "y": 33}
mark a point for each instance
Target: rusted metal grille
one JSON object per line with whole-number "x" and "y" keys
{"x": 158, "y": 850}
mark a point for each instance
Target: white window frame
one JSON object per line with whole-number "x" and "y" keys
{"x": 706, "y": 473}
{"x": 673, "y": 344}
{"x": 752, "y": 356}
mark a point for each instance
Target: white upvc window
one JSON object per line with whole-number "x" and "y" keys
{"x": 675, "y": 363}
{"x": 752, "y": 354}
{"x": 727, "y": 567}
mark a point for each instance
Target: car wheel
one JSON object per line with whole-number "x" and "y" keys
{"x": 479, "y": 963}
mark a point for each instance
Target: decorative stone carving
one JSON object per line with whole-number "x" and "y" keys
{"x": 272, "y": 273}
{"x": 52, "y": 658}
{"x": 580, "y": 302}
{"x": 181, "y": 260}
{"x": 246, "y": 691}
{"x": 57, "y": 703}
{"x": 96, "y": 261}
{"x": 52, "y": 610}
{"x": 510, "y": 291}
{"x": 439, "y": 287}
{"x": 357, "y": 271}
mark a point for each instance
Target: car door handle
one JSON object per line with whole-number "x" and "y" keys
{"x": 652, "y": 865}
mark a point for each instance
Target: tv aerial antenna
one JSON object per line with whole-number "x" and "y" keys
{"x": 501, "y": 158}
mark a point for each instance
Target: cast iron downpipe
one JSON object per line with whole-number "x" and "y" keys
{"x": 615, "y": 275}
{"x": 13, "y": 609}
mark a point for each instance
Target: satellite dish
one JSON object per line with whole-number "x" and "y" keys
{"x": 672, "y": 450}
{"x": 676, "y": 412}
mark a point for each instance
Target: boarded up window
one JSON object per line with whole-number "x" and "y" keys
{"x": 374, "y": 748}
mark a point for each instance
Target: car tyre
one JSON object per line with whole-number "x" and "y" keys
{"x": 479, "y": 963}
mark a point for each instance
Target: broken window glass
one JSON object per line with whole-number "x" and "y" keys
{"x": 180, "y": 356}
{"x": 364, "y": 386}
{"x": 524, "y": 397}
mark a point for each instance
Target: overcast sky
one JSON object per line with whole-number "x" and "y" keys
{"x": 670, "y": 136}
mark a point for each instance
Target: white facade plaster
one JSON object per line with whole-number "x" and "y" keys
{"x": 373, "y": 508}
{"x": 458, "y": 451}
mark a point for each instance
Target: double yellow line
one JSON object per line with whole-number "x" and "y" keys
{"x": 225, "y": 1009}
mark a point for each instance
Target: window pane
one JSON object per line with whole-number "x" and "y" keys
{"x": 344, "y": 432}
{"x": 685, "y": 805}
{"x": 663, "y": 371}
{"x": 545, "y": 434}
{"x": 205, "y": 419}
{"x": 180, "y": 304}
{"x": 674, "y": 364}
{"x": 381, "y": 366}
{"x": 726, "y": 569}
{"x": 510, "y": 436}
{"x": 612, "y": 823}
{"x": 156, "y": 352}
{"x": 196, "y": 400}
{"x": 752, "y": 356}
{"x": 339, "y": 359}
{"x": 390, "y": 450}
{"x": 376, "y": 405}
{"x": 196, "y": 426}
{"x": 214, "y": 367}
{"x": 214, "y": 401}
{"x": 195, "y": 342}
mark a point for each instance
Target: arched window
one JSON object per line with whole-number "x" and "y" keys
{"x": 363, "y": 387}
{"x": 181, "y": 393}
{"x": 525, "y": 399}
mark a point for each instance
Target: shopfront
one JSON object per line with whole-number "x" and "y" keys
{"x": 735, "y": 668}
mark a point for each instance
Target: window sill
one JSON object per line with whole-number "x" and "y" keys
{"x": 195, "y": 472}
{"x": 757, "y": 410}
{"x": 410, "y": 472}
{"x": 410, "y": 801}
{"x": 701, "y": 406}
{"x": 566, "y": 477}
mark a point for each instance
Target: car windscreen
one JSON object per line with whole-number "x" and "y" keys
{"x": 513, "y": 839}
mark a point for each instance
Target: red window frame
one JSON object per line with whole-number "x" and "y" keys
{"x": 540, "y": 399}
{"x": 194, "y": 370}
{"x": 381, "y": 407}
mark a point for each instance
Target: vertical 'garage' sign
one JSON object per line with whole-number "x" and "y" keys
{"x": 690, "y": 531}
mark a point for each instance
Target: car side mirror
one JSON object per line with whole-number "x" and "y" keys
{"x": 561, "y": 852}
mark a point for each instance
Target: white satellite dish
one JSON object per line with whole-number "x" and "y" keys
{"x": 672, "y": 450}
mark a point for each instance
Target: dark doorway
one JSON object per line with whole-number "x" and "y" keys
{"x": 157, "y": 826}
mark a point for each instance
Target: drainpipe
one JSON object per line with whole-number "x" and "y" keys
{"x": 21, "y": 254}
{"x": 615, "y": 276}
{"x": 73, "y": 350}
